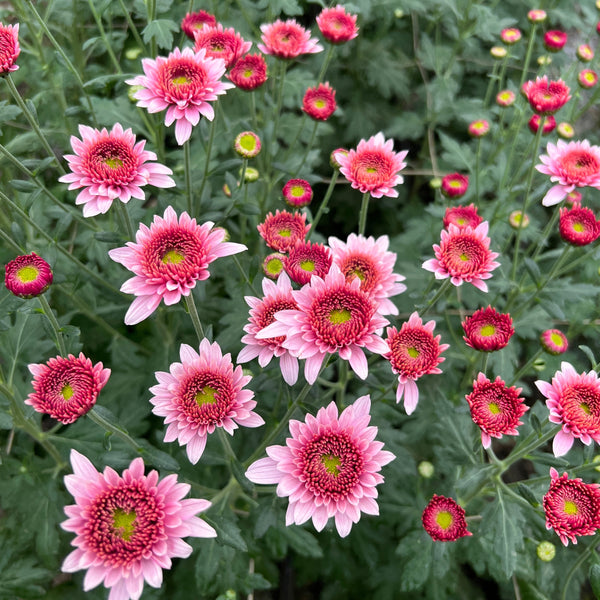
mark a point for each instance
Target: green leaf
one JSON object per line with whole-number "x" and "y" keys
{"x": 588, "y": 352}
{"x": 156, "y": 457}
{"x": 228, "y": 532}
{"x": 302, "y": 541}
{"x": 108, "y": 236}
{"x": 23, "y": 185}
{"x": 528, "y": 495}
{"x": 594, "y": 576}
{"x": 160, "y": 30}
{"x": 416, "y": 550}
{"x": 207, "y": 564}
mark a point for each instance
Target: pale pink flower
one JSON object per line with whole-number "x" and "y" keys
{"x": 183, "y": 84}
{"x": 221, "y": 43}
{"x": 287, "y": 39}
{"x": 277, "y": 296}
{"x": 329, "y": 467}
{"x": 9, "y": 48}
{"x": 336, "y": 25}
{"x": 129, "y": 527}
{"x": 167, "y": 260}
{"x": 570, "y": 165}
{"x": 110, "y": 166}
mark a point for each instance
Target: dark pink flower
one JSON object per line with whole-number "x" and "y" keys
{"x": 283, "y": 229}
{"x": 455, "y": 185}
{"x": 297, "y": 193}
{"x": 555, "y": 40}
{"x": 336, "y": 25}
{"x": 444, "y": 520}
{"x": 307, "y": 260}
{"x": 287, "y": 39}
{"x": 319, "y": 102}
{"x": 487, "y": 330}
{"x": 27, "y": 276}
{"x": 548, "y": 124}
{"x": 462, "y": 216}
{"x": 249, "y": 72}
{"x": 554, "y": 341}
{"x": 578, "y": 225}
{"x": 546, "y": 97}
{"x": 9, "y": 48}
{"x": 196, "y": 21}
{"x": 222, "y": 43}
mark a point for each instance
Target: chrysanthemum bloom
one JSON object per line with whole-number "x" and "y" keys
{"x": 221, "y": 43}
{"x": 573, "y": 198}
{"x": 110, "y": 166}
{"x": 262, "y": 313}
{"x": 272, "y": 266}
{"x": 517, "y": 220}
{"x": 297, "y": 193}
{"x": 369, "y": 260}
{"x": 587, "y": 78}
{"x": 336, "y": 25}
{"x": 201, "y": 393}
{"x": 537, "y": 15}
{"x": 283, "y": 229}
{"x": 167, "y": 260}
{"x": 287, "y": 39}
{"x": 196, "y": 21}
{"x": 329, "y": 467}
{"x": 585, "y": 53}
{"x": 319, "y": 102}
{"x": 464, "y": 255}
{"x": 307, "y": 260}
{"x": 555, "y": 40}
{"x": 183, "y": 83}
{"x": 511, "y": 35}
{"x": 478, "y": 128}
{"x": 373, "y": 167}
{"x": 444, "y": 520}
{"x": 333, "y": 160}
{"x": 333, "y": 316}
{"x": 413, "y": 352}
{"x": 570, "y": 165}
{"x": 27, "y": 276}
{"x": 247, "y": 144}
{"x": 498, "y": 52}
{"x": 488, "y": 330}
{"x": 554, "y": 341}
{"x": 572, "y": 507}
{"x": 505, "y": 98}
{"x": 455, "y": 185}
{"x": 462, "y": 216}
{"x": 546, "y": 97}
{"x": 495, "y": 408}
{"x": 548, "y": 124}
{"x": 66, "y": 388}
{"x": 129, "y": 527}
{"x": 565, "y": 130}
{"x": 578, "y": 225}
{"x": 598, "y": 27}
{"x": 249, "y": 72}
{"x": 9, "y": 48}
{"x": 574, "y": 402}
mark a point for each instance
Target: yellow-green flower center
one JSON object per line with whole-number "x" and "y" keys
{"x": 487, "y": 330}
{"x": 206, "y": 396}
{"x": 494, "y": 408}
{"x": 297, "y": 191}
{"x": 285, "y": 232}
{"x": 412, "y": 352}
{"x": 570, "y": 508}
{"x": 275, "y": 266}
{"x": 557, "y": 340}
{"x": 339, "y": 316}
{"x": 172, "y": 257}
{"x": 67, "y": 392}
{"x": 307, "y": 265}
{"x": 464, "y": 257}
{"x": 248, "y": 73}
{"x": 578, "y": 227}
{"x": 585, "y": 408}
{"x": 331, "y": 464}
{"x": 319, "y": 103}
{"x": 27, "y": 274}
{"x": 124, "y": 524}
{"x": 444, "y": 519}
{"x": 180, "y": 80}
{"x": 248, "y": 142}
{"x": 113, "y": 162}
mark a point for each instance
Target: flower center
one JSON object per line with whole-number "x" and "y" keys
{"x": 180, "y": 80}
{"x": 331, "y": 464}
{"x": 338, "y": 316}
{"x": 580, "y": 163}
{"x": 494, "y": 408}
{"x": 124, "y": 524}
{"x": 27, "y": 274}
{"x": 557, "y": 340}
{"x": 585, "y": 408}
{"x": 444, "y": 519}
{"x": 248, "y": 73}
{"x": 570, "y": 508}
{"x": 172, "y": 257}
{"x": 297, "y": 191}
{"x": 206, "y": 396}
{"x": 307, "y": 265}
{"x": 487, "y": 330}
{"x": 112, "y": 162}
{"x": 581, "y": 406}
{"x": 464, "y": 255}
{"x": 284, "y": 232}
{"x": 67, "y": 392}
{"x": 578, "y": 227}
{"x": 320, "y": 103}
{"x": 248, "y": 142}
{"x": 413, "y": 352}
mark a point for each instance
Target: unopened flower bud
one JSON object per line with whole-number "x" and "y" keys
{"x": 546, "y": 551}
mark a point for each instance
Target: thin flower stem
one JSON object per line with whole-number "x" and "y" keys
{"x": 484, "y": 362}
{"x": 582, "y": 558}
{"x": 477, "y": 162}
{"x": 528, "y": 55}
{"x": 191, "y": 306}
{"x": 151, "y": 12}
{"x": 324, "y": 203}
{"x": 443, "y": 288}
{"x": 11, "y": 242}
{"x": 546, "y": 233}
{"x": 243, "y": 174}
{"x": 106, "y": 41}
{"x": 519, "y": 453}
{"x": 525, "y": 367}
{"x": 59, "y": 341}
{"x": 133, "y": 28}
{"x": 187, "y": 169}
{"x": 122, "y": 209}
{"x": 120, "y": 433}
{"x": 244, "y": 275}
{"x": 362, "y": 218}
{"x": 209, "y": 146}
{"x": 584, "y": 258}
{"x": 308, "y": 147}
{"x": 325, "y": 64}
{"x": 273, "y": 140}
{"x": 223, "y": 438}
{"x": 343, "y": 381}
{"x": 493, "y": 79}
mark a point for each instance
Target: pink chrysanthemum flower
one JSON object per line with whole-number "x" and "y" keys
{"x": 578, "y": 225}
{"x": 129, "y": 527}
{"x": 478, "y": 128}
{"x": 167, "y": 260}
{"x": 505, "y": 98}
{"x": 572, "y": 507}
{"x": 455, "y": 185}
{"x": 110, "y": 166}
{"x": 336, "y": 25}
{"x": 373, "y": 167}
{"x": 196, "y": 21}
{"x": 495, "y": 408}
{"x": 574, "y": 198}
{"x": 585, "y": 53}
{"x": 66, "y": 388}
{"x": 221, "y": 43}
{"x": 262, "y": 313}
{"x": 333, "y": 316}
{"x": 183, "y": 84}
{"x": 201, "y": 393}
{"x": 272, "y": 266}
{"x": 297, "y": 193}
{"x": 307, "y": 260}
{"x": 587, "y": 78}
{"x": 249, "y": 72}
{"x": 413, "y": 352}
{"x": 27, "y": 276}
{"x": 444, "y": 520}
{"x": 287, "y": 39}
{"x": 511, "y": 35}
{"x": 9, "y": 48}
{"x": 488, "y": 330}
{"x": 570, "y": 165}
{"x": 319, "y": 102}
{"x": 283, "y": 229}
{"x": 554, "y": 341}
{"x": 555, "y": 40}
{"x": 464, "y": 255}
{"x": 548, "y": 124}
{"x": 537, "y": 15}
{"x": 369, "y": 260}
{"x": 462, "y": 216}
{"x": 546, "y": 97}
{"x": 574, "y": 402}
{"x": 329, "y": 467}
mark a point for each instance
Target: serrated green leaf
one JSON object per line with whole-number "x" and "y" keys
{"x": 156, "y": 457}
{"x": 160, "y": 30}
{"x": 228, "y": 532}
{"x": 416, "y": 550}
{"x": 267, "y": 517}
{"x": 207, "y": 564}
{"x": 108, "y": 237}
{"x": 302, "y": 541}
{"x": 528, "y": 495}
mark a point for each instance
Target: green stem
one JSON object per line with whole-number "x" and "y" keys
{"x": 528, "y": 54}
{"x": 441, "y": 291}
{"x": 546, "y": 233}
{"x": 244, "y": 275}
{"x": 120, "y": 433}
{"x": 308, "y": 147}
{"x": 582, "y": 558}
{"x": 106, "y": 41}
{"x": 325, "y": 64}
{"x": 133, "y": 28}
{"x": 187, "y": 169}
{"x": 362, "y": 218}
{"x": 151, "y": 11}
{"x": 59, "y": 341}
{"x": 343, "y": 382}
{"x": 525, "y": 367}
{"x": 122, "y": 208}
{"x": 11, "y": 242}
{"x": 324, "y": 203}
{"x": 207, "y": 158}
{"x": 191, "y": 306}
{"x": 526, "y": 448}
{"x": 484, "y": 362}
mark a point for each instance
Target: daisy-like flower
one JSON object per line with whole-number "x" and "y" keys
{"x": 183, "y": 84}
{"x": 413, "y": 352}
{"x": 444, "y": 520}
{"x": 329, "y": 467}
{"x": 487, "y": 330}
{"x": 9, "y": 48}
{"x": 221, "y": 43}
{"x": 587, "y": 78}
{"x": 196, "y": 21}
{"x": 373, "y": 167}
{"x": 585, "y": 53}
{"x": 129, "y": 527}
{"x": 332, "y": 316}
{"x": 201, "y": 393}
{"x": 570, "y": 165}
{"x": 66, "y": 388}
{"x": 505, "y": 98}
{"x": 537, "y": 15}
{"x": 319, "y": 102}
{"x": 369, "y": 260}
{"x": 495, "y": 408}
{"x": 546, "y": 97}
{"x": 283, "y": 229}
{"x": 167, "y": 260}
{"x": 517, "y": 220}
{"x": 297, "y": 193}
{"x": 574, "y": 402}
{"x": 336, "y": 25}
{"x": 578, "y": 225}
{"x": 262, "y": 313}
{"x": 462, "y": 216}
{"x": 572, "y": 507}
{"x": 555, "y": 40}
{"x": 307, "y": 260}
{"x": 27, "y": 276}
{"x": 554, "y": 341}
{"x": 464, "y": 255}
{"x": 455, "y": 185}
{"x": 272, "y": 266}
{"x": 479, "y": 127}
{"x": 565, "y": 130}
{"x": 548, "y": 124}
{"x": 287, "y": 39}
{"x": 247, "y": 144}
{"x": 249, "y": 72}
{"x": 511, "y": 35}
{"x": 110, "y": 166}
